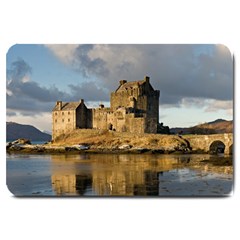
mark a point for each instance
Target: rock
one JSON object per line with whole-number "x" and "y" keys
{"x": 139, "y": 150}
{"x": 16, "y": 147}
{"x": 157, "y": 151}
{"x": 8, "y": 145}
{"x": 22, "y": 141}
{"x": 124, "y": 146}
{"x": 39, "y": 148}
{"x": 18, "y": 144}
{"x": 68, "y": 149}
{"x": 81, "y": 147}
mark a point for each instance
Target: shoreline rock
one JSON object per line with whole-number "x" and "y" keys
{"x": 175, "y": 145}
{"x": 126, "y": 149}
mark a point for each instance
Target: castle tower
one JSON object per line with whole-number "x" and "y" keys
{"x": 140, "y": 96}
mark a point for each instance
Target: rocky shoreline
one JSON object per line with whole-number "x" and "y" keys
{"x": 25, "y": 146}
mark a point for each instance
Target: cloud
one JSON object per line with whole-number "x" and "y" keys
{"x": 64, "y": 52}
{"x": 214, "y": 105}
{"x": 87, "y": 64}
{"x": 208, "y": 105}
{"x": 179, "y": 71}
{"x": 11, "y": 113}
{"x": 88, "y": 91}
{"x": 42, "y": 121}
{"x": 27, "y": 96}
{"x": 186, "y": 75}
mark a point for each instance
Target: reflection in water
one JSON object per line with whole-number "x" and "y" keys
{"x": 125, "y": 175}
{"x": 119, "y": 175}
{"x": 108, "y": 174}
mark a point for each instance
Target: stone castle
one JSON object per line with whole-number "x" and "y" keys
{"x": 134, "y": 108}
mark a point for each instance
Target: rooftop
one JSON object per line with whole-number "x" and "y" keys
{"x": 67, "y": 106}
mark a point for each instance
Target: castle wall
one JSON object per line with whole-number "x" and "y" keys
{"x": 143, "y": 100}
{"x": 152, "y": 108}
{"x": 83, "y": 116}
{"x": 152, "y": 112}
{"x": 119, "y": 120}
{"x": 119, "y": 99}
{"x": 119, "y": 117}
{"x": 63, "y": 122}
{"x": 134, "y": 107}
{"x": 90, "y": 118}
{"x": 141, "y": 104}
{"x": 150, "y": 125}
{"x": 135, "y": 125}
{"x": 99, "y": 118}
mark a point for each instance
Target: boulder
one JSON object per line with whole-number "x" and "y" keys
{"x": 125, "y": 146}
{"x": 22, "y": 141}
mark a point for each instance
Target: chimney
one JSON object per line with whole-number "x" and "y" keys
{"x": 146, "y": 79}
{"x": 122, "y": 82}
{"x": 81, "y": 100}
{"x": 59, "y": 104}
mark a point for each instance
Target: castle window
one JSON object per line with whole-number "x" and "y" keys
{"x": 69, "y": 120}
{"x": 62, "y": 113}
{"x": 55, "y": 120}
{"x": 62, "y": 120}
{"x": 55, "y": 113}
{"x": 68, "y": 113}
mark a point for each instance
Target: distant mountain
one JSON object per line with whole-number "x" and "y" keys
{"x": 217, "y": 126}
{"x": 16, "y": 131}
{"x": 217, "y": 121}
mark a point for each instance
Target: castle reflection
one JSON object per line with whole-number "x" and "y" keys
{"x": 108, "y": 174}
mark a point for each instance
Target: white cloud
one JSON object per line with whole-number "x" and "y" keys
{"x": 9, "y": 92}
{"x": 178, "y": 71}
{"x": 208, "y": 105}
{"x": 25, "y": 79}
{"x": 65, "y": 52}
{"x": 216, "y": 105}
{"x": 193, "y": 102}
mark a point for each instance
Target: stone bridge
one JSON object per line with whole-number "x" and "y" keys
{"x": 211, "y": 143}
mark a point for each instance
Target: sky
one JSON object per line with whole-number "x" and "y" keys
{"x": 195, "y": 81}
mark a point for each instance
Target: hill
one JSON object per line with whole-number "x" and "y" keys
{"x": 214, "y": 127}
{"x": 106, "y": 139}
{"x": 16, "y": 131}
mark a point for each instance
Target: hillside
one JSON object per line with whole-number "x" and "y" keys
{"x": 214, "y": 127}
{"x": 105, "y": 139}
{"x": 16, "y": 131}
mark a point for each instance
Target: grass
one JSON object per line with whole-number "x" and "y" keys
{"x": 111, "y": 139}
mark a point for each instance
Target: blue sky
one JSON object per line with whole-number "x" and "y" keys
{"x": 195, "y": 81}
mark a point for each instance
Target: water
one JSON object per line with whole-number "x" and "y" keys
{"x": 116, "y": 175}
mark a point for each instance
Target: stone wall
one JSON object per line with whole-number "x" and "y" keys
{"x": 134, "y": 107}
{"x": 63, "y": 122}
{"x": 203, "y": 142}
{"x": 123, "y": 99}
{"x": 83, "y": 117}
{"x": 135, "y": 125}
{"x": 140, "y": 99}
{"x": 99, "y": 118}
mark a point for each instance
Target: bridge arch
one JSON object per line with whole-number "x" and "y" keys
{"x": 216, "y": 147}
{"x": 213, "y": 142}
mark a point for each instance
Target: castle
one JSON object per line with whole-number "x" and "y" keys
{"x": 134, "y": 107}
